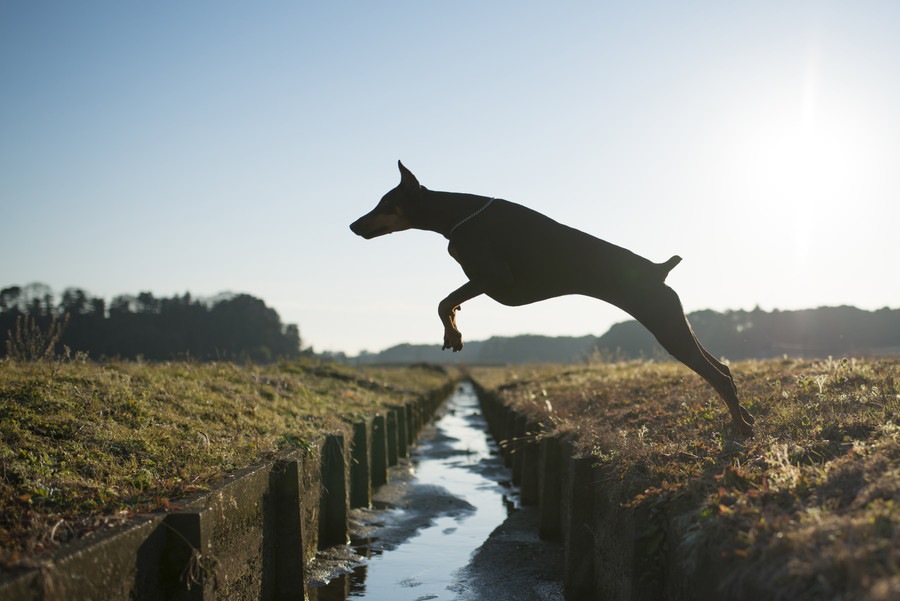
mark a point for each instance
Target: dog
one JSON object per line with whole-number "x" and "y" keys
{"x": 518, "y": 256}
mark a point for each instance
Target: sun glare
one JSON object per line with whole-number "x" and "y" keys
{"x": 807, "y": 152}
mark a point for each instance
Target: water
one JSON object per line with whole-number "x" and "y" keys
{"x": 454, "y": 494}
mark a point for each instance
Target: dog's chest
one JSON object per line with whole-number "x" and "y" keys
{"x": 453, "y": 252}
{"x": 460, "y": 257}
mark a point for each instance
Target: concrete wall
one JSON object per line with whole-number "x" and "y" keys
{"x": 611, "y": 552}
{"x": 250, "y": 537}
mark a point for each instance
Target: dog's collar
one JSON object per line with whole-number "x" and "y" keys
{"x": 472, "y": 216}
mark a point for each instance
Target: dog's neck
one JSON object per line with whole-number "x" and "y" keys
{"x": 441, "y": 211}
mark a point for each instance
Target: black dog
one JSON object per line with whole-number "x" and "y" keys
{"x": 517, "y": 256}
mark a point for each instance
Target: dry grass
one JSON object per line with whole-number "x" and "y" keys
{"x": 807, "y": 509}
{"x": 84, "y": 446}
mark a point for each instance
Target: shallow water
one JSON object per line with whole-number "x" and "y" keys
{"x": 452, "y": 495}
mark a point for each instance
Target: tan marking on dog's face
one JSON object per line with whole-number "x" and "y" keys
{"x": 386, "y": 218}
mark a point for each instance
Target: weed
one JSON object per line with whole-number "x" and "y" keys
{"x": 29, "y": 342}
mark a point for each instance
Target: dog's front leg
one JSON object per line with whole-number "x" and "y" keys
{"x": 447, "y": 309}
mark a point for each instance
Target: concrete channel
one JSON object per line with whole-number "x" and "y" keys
{"x": 448, "y": 525}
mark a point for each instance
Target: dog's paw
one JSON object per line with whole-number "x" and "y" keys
{"x": 743, "y": 428}
{"x": 456, "y": 347}
{"x": 452, "y": 340}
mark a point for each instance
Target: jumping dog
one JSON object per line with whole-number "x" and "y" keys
{"x": 518, "y": 256}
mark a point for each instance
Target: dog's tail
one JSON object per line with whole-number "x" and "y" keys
{"x": 665, "y": 268}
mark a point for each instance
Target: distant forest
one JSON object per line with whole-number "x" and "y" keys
{"x": 230, "y": 326}
{"x": 241, "y": 327}
{"x": 756, "y": 334}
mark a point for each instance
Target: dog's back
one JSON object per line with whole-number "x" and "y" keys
{"x": 548, "y": 258}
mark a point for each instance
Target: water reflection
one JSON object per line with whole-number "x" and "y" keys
{"x": 458, "y": 456}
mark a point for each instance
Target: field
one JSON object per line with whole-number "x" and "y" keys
{"x": 809, "y": 508}
{"x": 85, "y": 446}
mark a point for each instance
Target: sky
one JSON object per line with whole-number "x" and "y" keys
{"x": 226, "y": 146}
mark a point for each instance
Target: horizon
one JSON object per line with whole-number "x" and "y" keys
{"x": 220, "y": 147}
{"x": 226, "y": 294}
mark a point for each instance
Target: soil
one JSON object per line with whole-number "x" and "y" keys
{"x": 514, "y": 564}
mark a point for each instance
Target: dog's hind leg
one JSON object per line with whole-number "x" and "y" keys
{"x": 660, "y": 311}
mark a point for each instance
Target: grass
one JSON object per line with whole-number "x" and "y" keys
{"x": 84, "y": 446}
{"x": 809, "y": 508}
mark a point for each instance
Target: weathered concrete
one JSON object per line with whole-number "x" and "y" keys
{"x": 360, "y": 465}
{"x": 579, "y": 540}
{"x": 379, "y": 451}
{"x": 520, "y": 423}
{"x": 290, "y": 558}
{"x": 223, "y": 543}
{"x": 529, "y": 480}
{"x": 402, "y": 431}
{"x": 550, "y": 488}
{"x": 508, "y": 434}
{"x": 187, "y": 571}
{"x": 392, "y": 433}
{"x": 334, "y": 502}
{"x": 226, "y": 543}
{"x": 411, "y": 426}
{"x": 311, "y": 492}
{"x": 109, "y": 566}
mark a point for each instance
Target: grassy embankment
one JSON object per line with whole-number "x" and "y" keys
{"x": 85, "y": 446}
{"x": 809, "y": 508}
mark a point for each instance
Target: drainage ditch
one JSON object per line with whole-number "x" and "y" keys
{"x": 420, "y": 537}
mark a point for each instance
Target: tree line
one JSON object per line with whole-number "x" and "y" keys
{"x": 756, "y": 334}
{"x": 227, "y": 327}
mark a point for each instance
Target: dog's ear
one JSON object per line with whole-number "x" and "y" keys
{"x": 407, "y": 179}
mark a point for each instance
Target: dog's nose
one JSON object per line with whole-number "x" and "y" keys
{"x": 359, "y": 228}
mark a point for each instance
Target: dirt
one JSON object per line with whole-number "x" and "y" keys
{"x": 514, "y": 564}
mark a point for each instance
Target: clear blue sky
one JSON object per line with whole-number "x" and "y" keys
{"x": 212, "y": 146}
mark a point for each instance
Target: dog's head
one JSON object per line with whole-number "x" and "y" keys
{"x": 392, "y": 214}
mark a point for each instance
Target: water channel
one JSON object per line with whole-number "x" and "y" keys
{"x": 416, "y": 542}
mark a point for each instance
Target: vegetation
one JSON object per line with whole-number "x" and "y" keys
{"x": 28, "y": 342}
{"x": 232, "y": 326}
{"x": 85, "y": 446}
{"x": 809, "y": 508}
{"x": 756, "y": 334}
